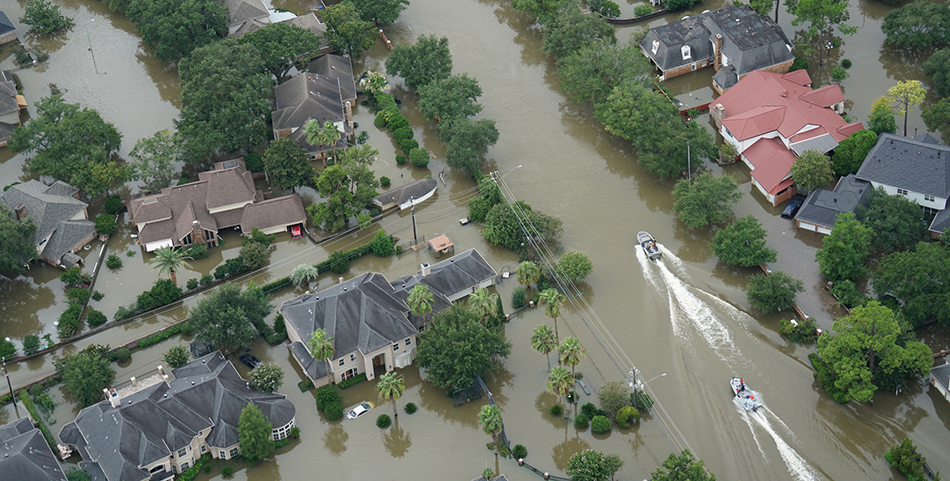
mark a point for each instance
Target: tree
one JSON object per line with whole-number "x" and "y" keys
{"x": 838, "y": 74}
{"x": 613, "y": 396}
{"x": 303, "y": 274}
{"x": 844, "y": 251}
{"x": 682, "y": 468}
{"x": 176, "y": 357}
{"x": 76, "y": 474}
{"x": 527, "y": 273}
{"x": 904, "y": 96}
{"x": 742, "y": 243}
{"x": 852, "y": 151}
{"x": 380, "y": 11}
{"x": 420, "y": 64}
{"x": 570, "y": 352}
{"x": 593, "y": 465}
{"x": 452, "y": 97}
{"x": 348, "y": 186}
{"x": 288, "y": 164}
{"x": 590, "y": 74}
{"x": 16, "y": 248}
{"x": 882, "y": 117}
{"x": 105, "y": 224}
{"x": 168, "y": 260}
{"x": 937, "y": 118}
{"x": 868, "y": 351}
{"x": 155, "y": 159}
{"x": 575, "y": 266}
{"x": 907, "y": 460}
{"x": 254, "y": 433}
{"x": 542, "y": 340}
{"x": 44, "y": 18}
{"x": 347, "y": 33}
{"x": 85, "y": 374}
{"x": 224, "y": 105}
{"x": 706, "y": 200}
{"x": 571, "y": 30}
{"x": 821, "y": 16}
{"x": 489, "y": 417}
{"x": 390, "y": 388}
{"x": 937, "y": 67}
{"x": 894, "y": 221}
{"x": 281, "y": 44}
{"x": 420, "y": 301}
{"x": 481, "y": 303}
{"x": 456, "y": 347}
{"x": 762, "y": 7}
{"x": 552, "y": 301}
{"x": 920, "y": 25}
{"x": 175, "y": 28}
{"x": 321, "y": 347}
{"x": 920, "y": 281}
{"x": 325, "y": 136}
{"x": 67, "y": 143}
{"x": 674, "y": 5}
{"x": 267, "y": 378}
{"x": 812, "y": 170}
{"x": 226, "y": 318}
{"x": 773, "y": 292}
{"x": 542, "y": 10}
{"x": 560, "y": 382}
{"x": 31, "y": 344}
{"x": 503, "y": 225}
{"x": 8, "y": 349}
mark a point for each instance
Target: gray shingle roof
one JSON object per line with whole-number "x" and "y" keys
{"x": 6, "y": 26}
{"x": 908, "y": 164}
{"x": 314, "y": 369}
{"x": 942, "y": 374}
{"x": 309, "y": 96}
{"x": 941, "y": 221}
{"x": 280, "y": 211}
{"x": 340, "y": 68}
{"x": 56, "y": 213}
{"x": 26, "y": 455}
{"x": 402, "y": 194}
{"x": 823, "y": 206}
{"x": 672, "y": 37}
{"x": 8, "y": 93}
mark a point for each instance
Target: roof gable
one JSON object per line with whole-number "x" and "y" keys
{"x": 58, "y": 216}
{"x": 909, "y": 164}
{"x": 772, "y": 164}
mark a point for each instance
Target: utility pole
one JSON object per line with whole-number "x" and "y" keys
{"x": 415, "y": 238}
{"x": 86, "y": 26}
{"x": 10, "y": 385}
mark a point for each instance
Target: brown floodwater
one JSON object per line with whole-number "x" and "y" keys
{"x": 686, "y": 316}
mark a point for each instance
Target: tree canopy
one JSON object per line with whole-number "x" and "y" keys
{"x": 674, "y": 5}
{"x": 881, "y": 118}
{"x": 86, "y": 373}
{"x": 868, "y": 351}
{"x": 287, "y": 163}
{"x": 44, "y": 18}
{"x": 821, "y": 16}
{"x": 570, "y": 30}
{"x": 455, "y": 347}
{"x": 773, "y": 292}
{"x": 266, "y": 378}
{"x": 937, "y": 118}
{"x": 154, "y": 160}
{"x": 281, "y": 44}
{"x": 347, "y": 33}
{"x": 419, "y": 64}
{"x": 16, "y": 248}
{"x": 224, "y": 103}
{"x": 503, "y": 229}
{"x": 894, "y": 221}
{"x": 542, "y": 10}
{"x": 904, "y": 96}
{"x": 593, "y": 465}
{"x": 844, "y": 251}
{"x": 852, "y": 151}
{"x": 575, "y": 266}
{"x": 921, "y": 24}
{"x": 71, "y": 144}
{"x": 682, "y": 468}
{"x": 705, "y": 200}
{"x": 175, "y": 28}
{"x": 937, "y": 67}
{"x": 225, "y": 319}
{"x": 590, "y": 74}
{"x": 380, "y": 11}
{"x": 920, "y": 280}
{"x": 812, "y": 170}
{"x": 347, "y": 187}
{"x": 254, "y": 433}
{"x": 453, "y": 97}
{"x": 742, "y": 243}
{"x": 467, "y": 141}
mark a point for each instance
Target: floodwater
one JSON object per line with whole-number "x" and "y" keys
{"x": 686, "y": 316}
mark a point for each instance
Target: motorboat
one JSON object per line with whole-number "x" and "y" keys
{"x": 745, "y": 395}
{"x": 649, "y": 245}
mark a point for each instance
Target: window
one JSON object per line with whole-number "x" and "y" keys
{"x": 692, "y": 66}
{"x": 685, "y": 51}
{"x": 409, "y": 341}
{"x": 221, "y": 454}
{"x": 184, "y": 467}
{"x": 396, "y": 347}
{"x": 929, "y": 198}
{"x": 341, "y": 362}
{"x": 350, "y": 373}
{"x": 656, "y": 45}
{"x": 901, "y": 192}
{"x": 352, "y": 357}
{"x": 234, "y": 452}
{"x": 204, "y": 448}
{"x": 181, "y": 452}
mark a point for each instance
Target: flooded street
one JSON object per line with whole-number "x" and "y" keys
{"x": 686, "y": 316}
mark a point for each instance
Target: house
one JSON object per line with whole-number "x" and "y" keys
{"x": 316, "y": 96}
{"x": 734, "y": 40}
{"x": 26, "y": 454}
{"x": 773, "y": 118}
{"x": 820, "y": 210}
{"x": 940, "y": 379}
{"x": 196, "y": 212}
{"x": 62, "y": 220}
{"x": 407, "y": 195}
{"x": 11, "y": 103}
{"x": 156, "y": 427}
{"x": 7, "y": 29}
{"x": 369, "y": 319}
{"x": 917, "y": 169}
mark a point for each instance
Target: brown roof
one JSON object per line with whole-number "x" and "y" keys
{"x": 228, "y": 186}
{"x": 441, "y": 242}
{"x": 281, "y": 211}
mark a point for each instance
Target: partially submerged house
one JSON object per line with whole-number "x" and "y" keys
{"x": 940, "y": 379}
{"x": 26, "y": 454}
{"x": 196, "y": 212}
{"x": 822, "y": 207}
{"x": 734, "y": 40}
{"x": 7, "y": 29}
{"x": 250, "y": 15}
{"x": 408, "y": 195}
{"x": 156, "y": 427}
{"x": 62, "y": 220}
{"x": 11, "y": 103}
{"x": 773, "y": 118}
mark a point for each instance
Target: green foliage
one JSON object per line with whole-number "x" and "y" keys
{"x": 352, "y": 381}
{"x": 762, "y": 7}
{"x": 742, "y": 243}
{"x": 163, "y": 292}
{"x": 121, "y": 354}
{"x": 75, "y": 277}
{"x": 682, "y": 468}
{"x": 200, "y": 465}
{"x": 154, "y": 160}
{"x": 799, "y": 64}
{"x": 176, "y": 28}
{"x": 543, "y": 10}
{"x": 427, "y": 60}
{"x": 489, "y": 195}
{"x": 467, "y": 142}
{"x": 503, "y": 229}
{"x": 556, "y": 410}
{"x": 410, "y": 408}
{"x": 919, "y": 25}
{"x": 882, "y": 118}
{"x": 383, "y": 244}
{"x": 347, "y": 33}
{"x": 706, "y": 200}
{"x": 575, "y": 266}
{"x": 281, "y": 44}
{"x": 77, "y": 295}
{"x": 383, "y": 421}
{"x": 455, "y": 347}
{"x": 812, "y": 170}
{"x": 907, "y": 460}
{"x": 44, "y": 18}
{"x": 844, "y": 251}
{"x": 627, "y": 416}
{"x": 641, "y": 401}
{"x": 105, "y": 224}
{"x": 16, "y": 249}
{"x": 519, "y": 451}
{"x": 69, "y": 322}
{"x": 228, "y": 471}
{"x": 8, "y": 349}
{"x": 85, "y": 374}
{"x": 380, "y": 11}
{"x": 419, "y": 157}
{"x": 937, "y": 67}
{"x": 254, "y": 433}
{"x": 894, "y": 221}
{"x": 570, "y": 30}
{"x": 192, "y": 283}
{"x": 176, "y": 357}
{"x": 328, "y": 399}
{"x": 225, "y": 319}
{"x": 581, "y": 421}
{"x": 113, "y": 262}
{"x": 31, "y": 345}
{"x": 593, "y": 465}
{"x": 642, "y": 10}
{"x": 71, "y": 144}
{"x": 804, "y": 332}
{"x": 773, "y": 292}
{"x": 28, "y": 404}
{"x": 159, "y": 336}
{"x": 113, "y": 204}
{"x": 385, "y": 181}
{"x": 821, "y": 16}
{"x": 450, "y": 98}
{"x": 206, "y": 279}
{"x": 937, "y": 117}
{"x": 518, "y": 298}
{"x": 674, "y": 5}
{"x": 267, "y": 378}
{"x": 287, "y": 162}
{"x": 95, "y": 318}
{"x": 590, "y": 74}
{"x": 600, "y": 424}
{"x": 848, "y": 293}
{"x": 348, "y": 187}
{"x": 846, "y": 63}
{"x": 919, "y": 280}
{"x": 852, "y": 151}
{"x": 613, "y": 396}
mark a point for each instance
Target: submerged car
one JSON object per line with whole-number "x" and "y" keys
{"x": 250, "y": 360}
{"x": 359, "y": 410}
{"x": 792, "y": 208}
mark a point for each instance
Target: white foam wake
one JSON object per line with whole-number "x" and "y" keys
{"x": 675, "y": 262}
{"x": 797, "y": 466}
{"x": 700, "y": 315}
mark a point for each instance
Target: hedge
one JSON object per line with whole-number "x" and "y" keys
{"x": 330, "y": 402}
{"x": 193, "y": 471}
{"x": 281, "y": 443}
{"x": 159, "y": 336}
{"x": 28, "y": 404}
{"x": 351, "y": 381}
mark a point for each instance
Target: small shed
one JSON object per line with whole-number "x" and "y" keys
{"x": 441, "y": 245}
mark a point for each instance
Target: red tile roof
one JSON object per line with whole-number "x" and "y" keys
{"x": 799, "y": 77}
{"x": 755, "y": 122}
{"x": 772, "y": 164}
{"x": 825, "y": 96}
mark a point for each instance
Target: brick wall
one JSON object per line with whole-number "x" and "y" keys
{"x": 685, "y": 69}
{"x": 9, "y": 37}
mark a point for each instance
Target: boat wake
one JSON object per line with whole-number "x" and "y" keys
{"x": 796, "y": 464}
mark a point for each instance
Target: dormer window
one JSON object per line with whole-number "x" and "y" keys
{"x": 656, "y": 45}
{"x": 685, "y": 51}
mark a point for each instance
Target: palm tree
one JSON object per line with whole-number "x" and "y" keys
{"x": 303, "y": 274}
{"x": 527, "y": 273}
{"x": 325, "y": 136}
{"x": 482, "y": 303}
{"x": 542, "y": 340}
{"x": 390, "y": 388}
{"x": 490, "y": 419}
{"x": 420, "y": 301}
{"x": 560, "y": 382}
{"x": 169, "y": 259}
{"x": 571, "y": 352}
{"x": 552, "y": 301}
{"x": 321, "y": 347}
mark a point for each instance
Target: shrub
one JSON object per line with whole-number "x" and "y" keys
{"x": 305, "y": 385}
{"x": 627, "y": 415}
{"x": 124, "y": 312}
{"x": 36, "y": 389}
{"x": 402, "y": 133}
{"x": 846, "y": 63}
{"x": 206, "y": 468}
{"x": 254, "y": 162}
{"x": 163, "y": 292}
{"x": 295, "y": 432}
{"x": 159, "y": 336}
{"x": 826, "y": 376}
{"x": 590, "y": 410}
{"x": 400, "y": 159}
{"x": 105, "y": 224}
{"x": 69, "y": 323}
{"x": 280, "y": 326}
{"x": 130, "y": 253}
{"x": 581, "y": 421}
{"x": 397, "y": 122}
{"x": 329, "y": 401}
{"x": 97, "y": 296}
{"x": 206, "y": 279}
{"x": 75, "y": 277}
{"x": 799, "y": 64}
{"x": 352, "y": 381}
{"x": 95, "y": 318}
{"x": 334, "y": 412}
{"x": 641, "y": 400}
{"x": 192, "y": 283}
{"x": 192, "y": 472}
{"x": 848, "y": 293}
{"x": 410, "y": 408}
{"x": 805, "y": 332}
{"x": 382, "y": 244}
{"x": 642, "y": 10}
{"x": 383, "y": 421}
{"x": 198, "y": 251}
{"x": 113, "y": 261}
{"x": 7, "y": 348}
{"x": 227, "y": 471}
{"x": 113, "y": 204}
{"x": 385, "y": 181}
{"x": 556, "y": 410}
{"x": 518, "y": 298}
{"x": 380, "y": 121}
{"x": 407, "y": 145}
{"x": 600, "y": 425}
{"x": 28, "y": 404}
{"x": 519, "y": 451}
{"x": 339, "y": 262}
{"x": 176, "y": 357}
{"x": 31, "y": 344}
{"x": 78, "y": 295}
{"x": 121, "y": 354}
{"x": 419, "y": 157}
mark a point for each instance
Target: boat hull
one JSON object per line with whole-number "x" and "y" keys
{"x": 648, "y": 244}
{"x": 745, "y": 395}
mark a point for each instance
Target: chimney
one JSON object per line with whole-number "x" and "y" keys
{"x": 717, "y": 54}
{"x": 426, "y": 269}
{"x": 165, "y": 378}
{"x": 134, "y": 383}
{"x": 20, "y": 211}
{"x": 161, "y": 370}
{"x": 113, "y": 397}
